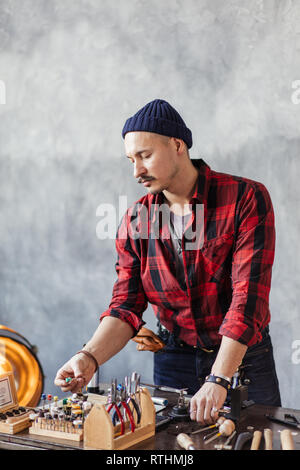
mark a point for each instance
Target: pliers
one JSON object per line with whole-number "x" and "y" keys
{"x": 122, "y": 403}
{"x": 132, "y": 400}
{"x": 113, "y": 404}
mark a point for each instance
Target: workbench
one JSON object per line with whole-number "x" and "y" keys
{"x": 165, "y": 437}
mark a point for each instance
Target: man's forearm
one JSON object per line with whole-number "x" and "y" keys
{"x": 229, "y": 357}
{"x": 110, "y": 337}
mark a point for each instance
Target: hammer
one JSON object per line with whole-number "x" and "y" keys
{"x": 286, "y": 439}
{"x": 185, "y": 442}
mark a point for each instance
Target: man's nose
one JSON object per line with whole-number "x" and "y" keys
{"x": 139, "y": 170}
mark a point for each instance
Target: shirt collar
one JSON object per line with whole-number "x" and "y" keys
{"x": 201, "y": 188}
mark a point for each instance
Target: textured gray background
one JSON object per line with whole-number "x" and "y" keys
{"x": 74, "y": 70}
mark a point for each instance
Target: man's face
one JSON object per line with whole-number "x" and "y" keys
{"x": 154, "y": 158}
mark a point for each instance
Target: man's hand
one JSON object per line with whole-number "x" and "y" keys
{"x": 80, "y": 369}
{"x": 148, "y": 341}
{"x": 211, "y": 396}
{"x": 205, "y": 403}
{"x": 109, "y": 338}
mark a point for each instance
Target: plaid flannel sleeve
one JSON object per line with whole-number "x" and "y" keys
{"x": 252, "y": 264}
{"x": 128, "y": 297}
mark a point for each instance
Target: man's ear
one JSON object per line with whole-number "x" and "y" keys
{"x": 180, "y": 145}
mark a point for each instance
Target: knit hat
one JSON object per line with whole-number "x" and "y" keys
{"x": 160, "y": 117}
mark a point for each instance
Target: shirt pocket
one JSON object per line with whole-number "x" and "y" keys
{"x": 217, "y": 256}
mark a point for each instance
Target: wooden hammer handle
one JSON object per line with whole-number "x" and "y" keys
{"x": 286, "y": 438}
{"x": 257, "y": 435}
{"x": 268, "y": 435}
{"x": 185, "y": 441}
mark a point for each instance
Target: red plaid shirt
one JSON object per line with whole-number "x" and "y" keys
{"x": 228, "y": 277}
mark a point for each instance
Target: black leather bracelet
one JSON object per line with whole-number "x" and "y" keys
{"x": 218, "y": 380}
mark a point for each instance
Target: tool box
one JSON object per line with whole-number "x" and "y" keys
{"x": 13, "y": 418}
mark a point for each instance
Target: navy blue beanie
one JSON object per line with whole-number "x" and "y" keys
{"x": 160, "y": 117}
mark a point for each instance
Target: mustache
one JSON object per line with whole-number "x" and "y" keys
{"x": 143, "y": 180}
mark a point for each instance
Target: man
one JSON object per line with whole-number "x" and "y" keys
{"x": 207, "y": 273}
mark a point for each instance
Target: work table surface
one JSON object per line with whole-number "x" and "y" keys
{"x": 165, "y": 438}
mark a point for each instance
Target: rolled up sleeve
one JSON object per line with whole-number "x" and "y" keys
{"x": 128, "y": 297}
{"x": 253, "y": 258}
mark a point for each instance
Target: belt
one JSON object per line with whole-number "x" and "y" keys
{"x": 166, "y": 335}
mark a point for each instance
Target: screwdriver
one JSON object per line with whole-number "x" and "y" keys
{"x": 217, "y": 424}
{"x": 225, "y": 429}
{"x": 226, "y": 445}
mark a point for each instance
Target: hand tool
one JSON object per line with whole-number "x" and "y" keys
{"x": 185, "y": 442}
{"x": 225, "y": 429}
{"x": 291, "y": 418}
{"x": 113, "y": 404}
{"x": 217, "y": 424}
{"x": 242, "y": 439}
{"x": 123, "y": 397}
{"x": 121, "y": 403}
{"x": 135, "y": 384}
{"x": 131, "y": 400}
{"x": 161, "y": 420}
{"x": 224, "y": 410}
{"x": 160, "y": 401}
{"x": 293, "y": 423}
{"x": 222, "y": 447}
{"x": 257, "y": 435}
{"x": 226, "y": 445}
{"x": 179, "y": 411}
{"x": 286, "y": 438}
{"x": 268, "y": 435}
{"x": 164, "y": 388}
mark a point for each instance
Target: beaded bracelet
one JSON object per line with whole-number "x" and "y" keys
{"x": 218, "y": 380}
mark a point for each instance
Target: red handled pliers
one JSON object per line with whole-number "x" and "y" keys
{"x": 114, "y": 405}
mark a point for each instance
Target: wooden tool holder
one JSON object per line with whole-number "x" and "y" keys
{"x": 38, "y": 430}
{"x": 63, "y": 429}
{"x": 9, "y": 404}
{"x": 100, "y": 433}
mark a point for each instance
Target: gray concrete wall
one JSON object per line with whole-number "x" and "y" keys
{"x": 71, "y": 72}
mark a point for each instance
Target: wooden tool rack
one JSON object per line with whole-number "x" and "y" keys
{"x": 55, "y": 428}
{"x": 13, "y": 417}
{"x": 100, "y": 433}
{"x": 38, "y": 430}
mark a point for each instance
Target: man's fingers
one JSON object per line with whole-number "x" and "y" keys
{"x": 207, "y": 412}
{"x": 214, "y": 413}
{"x": 73, "y": 386}
{"x": 138, "y": 339}
{"x": 193, "y": 410}
{"x": 201, "y": 410}
{"x": 197, "y": 410}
